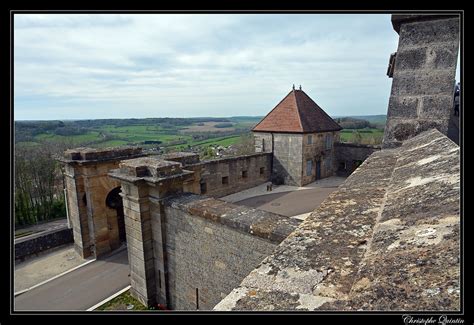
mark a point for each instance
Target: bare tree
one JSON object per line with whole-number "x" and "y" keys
{"x": 246, "y": 144}
{"x": 39, "y": 182}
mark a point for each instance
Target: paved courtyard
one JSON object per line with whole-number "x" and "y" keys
{"x": 291, "y": 201}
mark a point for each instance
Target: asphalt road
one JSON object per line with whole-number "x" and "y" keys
{"x": 290, "y": 203}
{"x": 81, "y": 288}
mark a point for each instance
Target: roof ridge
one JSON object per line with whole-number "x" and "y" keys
{"x": 298, "y": 110}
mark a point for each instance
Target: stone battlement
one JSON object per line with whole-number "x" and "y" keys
{"x": 231, "y": 159}
{"x": 185, "y": 158}
{"x": 103, "y": 154}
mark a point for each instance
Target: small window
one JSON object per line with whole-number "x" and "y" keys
{"x": 203, "y": 188}
{"x": 244, "y": 174}
{"x": 328, "y": 141}
{"x": 225, "y": 180}
{"x": 262, "y": 170}
{"x": 310, "y": 139}
{"x": 309, "y": 167}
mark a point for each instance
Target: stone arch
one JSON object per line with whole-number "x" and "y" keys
{"x": 114, "y": 201}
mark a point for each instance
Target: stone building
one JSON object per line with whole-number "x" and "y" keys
{"x": 301, "y": 137}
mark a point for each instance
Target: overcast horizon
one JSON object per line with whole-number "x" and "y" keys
{"x": 106, "y": 66}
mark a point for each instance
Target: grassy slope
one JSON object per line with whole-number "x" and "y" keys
{"x": 121, "y": 302}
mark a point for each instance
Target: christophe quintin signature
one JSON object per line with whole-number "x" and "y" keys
{"x": 441, "y": 320}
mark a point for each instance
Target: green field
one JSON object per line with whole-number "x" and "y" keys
{"x": 113, "y": 133}
{"x": 367, "y": 136}
{"x": 173, "y": 134}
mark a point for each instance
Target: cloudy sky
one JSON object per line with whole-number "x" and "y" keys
{"x": 161, "y": 65}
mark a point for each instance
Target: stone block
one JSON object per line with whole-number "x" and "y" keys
{"x": 422, "y": 82}
{"x": 411, "y": 59}
{"x": 402, "y": 107}
{"x": 436, "y": 107}
{"x": 401, "y": 130}
{"x": 425, "y": 125}
{"x": 442, "y": 57}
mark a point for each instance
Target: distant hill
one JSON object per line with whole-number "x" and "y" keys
{"x": 376, "y": 119}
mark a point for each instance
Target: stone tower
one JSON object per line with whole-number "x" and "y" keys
{"x": 423, "y": 76}
{"x": 301, "y": 136}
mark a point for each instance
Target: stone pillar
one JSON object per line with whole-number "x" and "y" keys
{"x": 137, "y": 214}
{"x": 423, "y": 76}
{"x": 145, "y": 182}
{"x": 77, "y": 210}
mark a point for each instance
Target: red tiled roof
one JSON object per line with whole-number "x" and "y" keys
{"x": 297, "y": 113}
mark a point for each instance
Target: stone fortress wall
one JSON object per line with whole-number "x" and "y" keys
{"x": 186, "y": 250}
{"x": 212, "y": 245}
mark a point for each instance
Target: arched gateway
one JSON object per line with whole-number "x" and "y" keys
{"x": 93, "y": 198}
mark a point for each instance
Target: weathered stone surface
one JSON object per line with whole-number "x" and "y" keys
{"x": 399, "y": 19}
{"x": 375, "y": 243}
{"x": 405, "y": 107}
{"x": 150, "y": 167}
{"x": 435, "y": 107}
{"x": 421, "y": 83}
{"x": 425, "y": 29}
{"x": 259, "y": 223}
{"x": 411, "y": 59}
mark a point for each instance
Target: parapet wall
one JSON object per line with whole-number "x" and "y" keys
{"x": 225, "y": 176}
{"x": 387, "y": 239}
{"x": 37, "y": 244}
{"x": 212, "y": 245}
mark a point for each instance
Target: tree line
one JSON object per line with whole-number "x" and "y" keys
{"x": 38, "y": 191}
